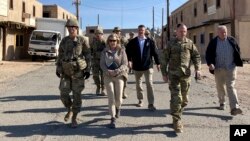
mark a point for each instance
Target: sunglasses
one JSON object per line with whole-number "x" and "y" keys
{"x": 74, "y": 27}
{"x": 112, "y": 40}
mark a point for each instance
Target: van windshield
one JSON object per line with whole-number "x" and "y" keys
{"x": 44, "y": 36}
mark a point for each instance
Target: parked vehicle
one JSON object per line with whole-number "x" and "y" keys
{"x": 45, "y": 40}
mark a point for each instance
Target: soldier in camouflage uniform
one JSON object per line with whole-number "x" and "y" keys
{"x": 123, "y": 42}
{"x": 73, "y": 66}
{"x": 97, "y": 46}
{"x": 176, "y": 63}
{"x": 131, "y": 36}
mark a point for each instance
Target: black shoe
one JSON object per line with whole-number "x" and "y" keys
{"x": 140, "y": 104}
{"x": 222, "y": 107}
{"x": 112, "y": 123}
{"x": 124, "y": 96}
{"x": 117, "y": 111}
{"x": 151, "y": 107}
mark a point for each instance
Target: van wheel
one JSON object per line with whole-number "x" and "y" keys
{"x": 33, "y": 58}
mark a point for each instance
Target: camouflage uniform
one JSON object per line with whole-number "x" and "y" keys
{"x": 176, "y": 64}
{"x": 70, "y": 51}
{"x": 123, "y": 42}
{"x": 97, "y": 47}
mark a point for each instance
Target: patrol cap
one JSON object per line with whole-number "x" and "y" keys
{"x": 98, "y": 31}
{"x": 147, "y": 32}
{"x": 72, "y": 22}
{"x": 116, "y": 29}
{"x": 131, "y": 33}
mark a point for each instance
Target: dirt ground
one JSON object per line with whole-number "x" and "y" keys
{"x": 10, "y": 70}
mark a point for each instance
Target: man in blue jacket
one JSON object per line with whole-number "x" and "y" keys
{"x": 222, "y": 56}
{"x": 140, "y": 52}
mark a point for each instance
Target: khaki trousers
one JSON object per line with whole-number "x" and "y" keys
{"x": 225, "y": 83}
{"x": 148, "y": 74}
{"x": 114, "y": 87}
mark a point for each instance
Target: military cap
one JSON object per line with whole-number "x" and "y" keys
{"x": 72, "y": 22}
{"x": 116, "y": 29}
{"x": 131, "y": 33}
{"x": 147, "y": 32}
{"x": 98, "y": 31}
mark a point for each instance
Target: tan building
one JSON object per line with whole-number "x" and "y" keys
{"x": 17, "y": 20}
{"x": 203, "y": 16}
{"x": 55, "y": 11}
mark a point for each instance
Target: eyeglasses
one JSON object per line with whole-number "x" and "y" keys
{"x": 112, "y": 40}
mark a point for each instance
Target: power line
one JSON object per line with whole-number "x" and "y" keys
{"x": 118, "y": 8}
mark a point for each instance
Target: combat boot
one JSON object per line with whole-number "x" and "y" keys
{"x": 98, "y": 90}
{"x": 103, "y": 91}
{"x": 73, "y": 121}
{"x": 68, "y": 115}
{"x": 178, "y": 127}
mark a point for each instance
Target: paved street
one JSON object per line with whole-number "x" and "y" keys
{"x": 30, "y": 110}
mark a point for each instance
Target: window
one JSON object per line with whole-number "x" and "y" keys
{"x": 91, "y": 31}
{"x": 211, "y": 36}
{"x": 23, "y": 11}
{"x": 34, "y": 11}
{"x": 217, "y": 3}
{"x": 176, "y": 20}
{"x": 19, "y": 40}
{"x": 67, "y": 17}
{"x": 202, "y": 39}
{"x": 181, "y": 16}
{"x": 205, "y": 6}
{"x": 23, "y": 7}
{"x": 194, "y": 39}
{"x": 63, "y": 15}
{"x": 46, "y": 14}
{"x": 195, "y": 9}
{"x": 172, "y": 22}
{"x": 11, "y": 4}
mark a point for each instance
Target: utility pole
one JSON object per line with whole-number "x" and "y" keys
{"x": 168, "y": 22}
{"x": 77, "y": 3}
{"x": 153, "y": 17}
{"x": 233, "y": 19}
{"x": 162, "y": 29}
{"x": 98, "y": 19}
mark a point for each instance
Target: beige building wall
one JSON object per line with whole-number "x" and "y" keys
{"x": 202, "y": 22}
{"x": 55, "y": 11}
{"x": 17, "y": 26}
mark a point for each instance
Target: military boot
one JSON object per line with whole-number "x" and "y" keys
{"x": 68, "y": 115}
{"x": 98, "y": 90}
{"x": 178, "y": 127}
{"x": 73, "y": 121}
{"x": 103, "y": 91}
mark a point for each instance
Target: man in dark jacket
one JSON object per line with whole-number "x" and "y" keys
{"x": 140, "y": 51}
{"x": 222, "y": 56}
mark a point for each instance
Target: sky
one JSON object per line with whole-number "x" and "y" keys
{"x": 122, "y": 13}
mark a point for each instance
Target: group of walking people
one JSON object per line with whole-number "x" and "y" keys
{"x": 112, "y": 59}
